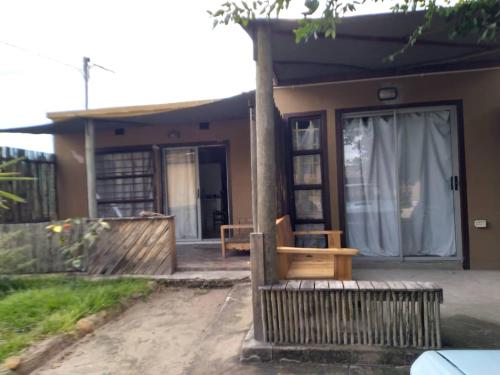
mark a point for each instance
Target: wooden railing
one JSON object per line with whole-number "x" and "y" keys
{"x": 398, "y": 314}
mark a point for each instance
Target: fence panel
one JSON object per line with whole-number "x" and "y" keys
{"x": 40, "y": 194}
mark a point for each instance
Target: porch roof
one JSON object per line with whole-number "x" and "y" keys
{"x": 362, "y": 45}
{"x": 235, "y": 107}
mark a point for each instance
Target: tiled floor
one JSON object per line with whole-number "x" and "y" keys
{"x": 207, "y": 257}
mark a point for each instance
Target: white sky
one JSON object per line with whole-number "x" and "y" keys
{"x": 161, "y": 50}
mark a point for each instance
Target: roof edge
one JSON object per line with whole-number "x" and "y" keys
{"x": 125, "y": 111}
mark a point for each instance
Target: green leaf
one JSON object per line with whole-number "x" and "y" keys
{"x": 16, "y": 178}
{"x": 11, "y": 196}
{"x": 12, "y": 162}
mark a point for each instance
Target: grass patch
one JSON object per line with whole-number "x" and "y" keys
{"x": 36, "y": 307}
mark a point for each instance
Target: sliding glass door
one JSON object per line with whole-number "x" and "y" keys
{"x": 182, "y": 191}
{"x": 196, "y": 193}
{"x": 401, "y": 183}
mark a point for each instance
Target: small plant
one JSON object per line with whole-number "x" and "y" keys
{"x": 76, "y": 237}
{"x": 14, "y": 258}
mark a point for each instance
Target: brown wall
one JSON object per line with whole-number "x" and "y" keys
{"x": 479, "y": 92}
{"x": 481, "y": 109}
{"x": 69, "y": 148}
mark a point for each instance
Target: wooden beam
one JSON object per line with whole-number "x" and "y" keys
{"x": 265, "y": 146}
{"x": 90, "y": 168}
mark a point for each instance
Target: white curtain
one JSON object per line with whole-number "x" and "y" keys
{"x": 370, "y": 185}
{"x": 182, "y": 191}
{"x": 425, "y": 169}
{"x": 397, "y": 184}
{"x": 306, "y": 138}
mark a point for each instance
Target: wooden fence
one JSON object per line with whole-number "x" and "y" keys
{"x": 136, "y": 246}
{"x": 40, "y": 194}
{"x": 141, "y": 246}
{"x": 398, "y": 314}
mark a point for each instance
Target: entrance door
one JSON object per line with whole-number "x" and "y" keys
{"x": 401, "y": 183}
{"x": 196, "y": 190}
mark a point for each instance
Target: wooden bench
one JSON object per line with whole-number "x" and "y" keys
{"x": 311, "y": 263}
{"x": 392, "y": 313}
{"x": 232, "y": 238}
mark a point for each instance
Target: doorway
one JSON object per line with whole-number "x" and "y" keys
{"x": 196, "y": 190}
{"x": 401, "y": 183}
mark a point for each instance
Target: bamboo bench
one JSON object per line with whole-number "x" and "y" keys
{"x": 311, "y": 263}
{"x": 397, "y": 313}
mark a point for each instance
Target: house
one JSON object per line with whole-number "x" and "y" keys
{"x": 403, "y": 156}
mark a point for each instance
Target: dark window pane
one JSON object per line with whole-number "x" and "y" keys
{"x": 123, "y": 209}
{"x": 308, "y": 204}
{"x": 307, "y": 169}
{"x": 305, "y": 134}
{"x": 313, "y": 240}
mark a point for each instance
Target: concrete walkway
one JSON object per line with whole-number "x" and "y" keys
{"x": 200, "y": 331}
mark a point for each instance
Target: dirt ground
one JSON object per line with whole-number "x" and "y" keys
{"x": 176, "y": 331}
{"x": 200, "y": 331}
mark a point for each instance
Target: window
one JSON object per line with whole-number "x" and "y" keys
{"x": 309, "y": 185}
{"x": 124, "y": 183}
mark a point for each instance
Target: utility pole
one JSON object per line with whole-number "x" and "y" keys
{"x": 89, "y": 148}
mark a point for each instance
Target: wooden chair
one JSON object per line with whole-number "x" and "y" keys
{"x": 232, "y": 241}
{"x": 333, "y": 262}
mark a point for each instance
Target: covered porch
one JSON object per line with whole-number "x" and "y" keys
{"x": 308, "y": 72}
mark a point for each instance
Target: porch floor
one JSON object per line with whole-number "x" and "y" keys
{"x": 208, "y": 257}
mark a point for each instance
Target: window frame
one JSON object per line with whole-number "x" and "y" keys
{"x": 322, "y": 151}
{"x": 151, "y": 175}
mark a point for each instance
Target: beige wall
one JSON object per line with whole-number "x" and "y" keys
{"x": 70, "y": 153}
{"x": 480, "y": 92}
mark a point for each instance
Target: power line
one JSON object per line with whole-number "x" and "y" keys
{"x": 38, "y": 54}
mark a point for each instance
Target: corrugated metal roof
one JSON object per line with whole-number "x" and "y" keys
{"x": 362, "y": 45}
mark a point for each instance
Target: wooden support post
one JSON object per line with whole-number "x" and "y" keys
{"x": 253, "y": 162}
{"x": 265, "y": 146}
{"x": 90, "y": 168}
{"x": 257, "y": 271}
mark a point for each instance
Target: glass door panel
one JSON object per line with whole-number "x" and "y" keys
{"x": 425, "y": 172}
{"x": 370, "y": 185}
{"x": 400, "y": 192}
{"x": 182, "y": 191}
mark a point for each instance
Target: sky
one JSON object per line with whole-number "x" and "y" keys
{"x": 160, "y": 51}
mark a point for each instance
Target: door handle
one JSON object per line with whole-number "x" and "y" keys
{"x": 456, "y": 182}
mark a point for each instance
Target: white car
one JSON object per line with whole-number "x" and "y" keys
{"x": 457, "y": 362}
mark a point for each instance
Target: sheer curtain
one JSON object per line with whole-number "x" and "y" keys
{"x": 425, "y": 169}
{"x": 397, "y": 184}
{"x": 370, "y": 185}
{"x": 182, "y": 192}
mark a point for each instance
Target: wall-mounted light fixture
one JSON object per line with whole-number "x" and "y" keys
{"x": 174, "y": 134}
{"x": 387, "y": 93}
